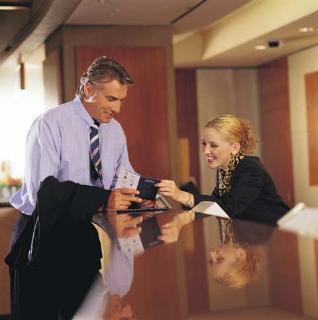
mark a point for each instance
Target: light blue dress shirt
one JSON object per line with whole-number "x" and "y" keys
{"x": 58, "y": 145}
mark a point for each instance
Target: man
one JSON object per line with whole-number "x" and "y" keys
{"x": 76, "y": 142}
{"x": 58, "y": 143}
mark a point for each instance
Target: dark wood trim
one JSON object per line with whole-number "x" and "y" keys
{"x": 187, "y": 116}
{"x": 275, "y": 126}
{"x": 311, "y": 85}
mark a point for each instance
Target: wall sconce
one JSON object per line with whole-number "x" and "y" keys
{"x": 22, "y": 76}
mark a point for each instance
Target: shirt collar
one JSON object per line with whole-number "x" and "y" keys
{"x": 81, "y": 111}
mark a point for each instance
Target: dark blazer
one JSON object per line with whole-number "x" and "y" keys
{"x": 253, "y": 195}
{"x": 65, "y": 250}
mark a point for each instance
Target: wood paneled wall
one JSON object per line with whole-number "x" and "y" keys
{"x": 285, "y": 281}
{"x": 144, "y": 116}
{"x": 187, "y": 127}
{"x": 187, "y": 116}
{"x": 275, "y": 126}
{"x": 311, "y": 84}
{"x": 53, "y": 81}
{"x": 8, "y": 217}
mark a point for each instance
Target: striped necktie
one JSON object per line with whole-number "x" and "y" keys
{"x": 94, "y": 151}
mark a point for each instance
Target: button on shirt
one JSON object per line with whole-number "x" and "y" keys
{"x": 58, "y": 145}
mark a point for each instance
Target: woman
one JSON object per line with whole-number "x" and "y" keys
{"x": 244, "y": 189}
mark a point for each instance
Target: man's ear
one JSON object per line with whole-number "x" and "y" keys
{"x": 88, "y": 91}
{"x": 241, "y": 254}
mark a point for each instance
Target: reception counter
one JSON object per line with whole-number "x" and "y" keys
{"x": 8, "y": 216}
{"x": 192, "y": 278}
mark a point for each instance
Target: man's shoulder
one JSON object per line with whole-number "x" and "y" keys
{"x": 57, "y": 115}
{"x": 54, "y": 116}
{"x": 63, "y": 109}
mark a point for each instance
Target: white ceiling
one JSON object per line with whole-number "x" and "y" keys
{"x": 153, "y": 12}
{"x": 192, "y": 19}
{"x": 207, "y": 33}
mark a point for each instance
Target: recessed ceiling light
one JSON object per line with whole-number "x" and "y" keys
{"x": 260, "y": 47}
{"x": 306, "y": 29}
{"x": 14, "y": 7}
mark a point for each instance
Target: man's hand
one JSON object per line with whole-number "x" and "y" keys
{"x": 117, "y": 309}
{"x": 148, "y": 203}
{"x": 125, "y": 226}
{"x": 122, "y": 198}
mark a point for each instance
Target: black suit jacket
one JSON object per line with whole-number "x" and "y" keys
{"x": 63, "y": 231}
{"x": 253, "y": 195}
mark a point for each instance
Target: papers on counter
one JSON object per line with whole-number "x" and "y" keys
{"x": 301, "y": 219}
{"x": 211, "y": 208}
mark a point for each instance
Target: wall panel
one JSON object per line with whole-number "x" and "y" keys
{"x": 275, "y": 126}
{"x": 144, "y": 114}
{"x": 311, "y": 85}
{"x": 187, "y": 116}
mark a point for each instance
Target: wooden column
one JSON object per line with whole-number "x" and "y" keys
{"x": 275, "y": 126}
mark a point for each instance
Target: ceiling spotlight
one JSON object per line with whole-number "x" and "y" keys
{"x": 274, "y": 44}
{"x": 306, "y": 29}
{"x": 260, "y": 47}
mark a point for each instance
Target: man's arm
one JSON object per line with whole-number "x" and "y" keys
{"x": 42, "y": 160}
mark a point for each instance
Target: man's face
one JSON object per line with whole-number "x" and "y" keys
{"x": 104, "y": 99}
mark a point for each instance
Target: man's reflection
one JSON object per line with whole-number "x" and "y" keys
{"x": 107, "y": 298}
{"x": 118, "y": 309}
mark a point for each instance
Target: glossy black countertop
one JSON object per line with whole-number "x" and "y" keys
{"x": 217, "y": 270}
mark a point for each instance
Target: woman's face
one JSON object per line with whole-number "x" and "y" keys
{"x": 217, "y": 150}
{"x": 222, "y": 259}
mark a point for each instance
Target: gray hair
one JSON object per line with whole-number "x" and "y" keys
{"x": 103, "y": 69}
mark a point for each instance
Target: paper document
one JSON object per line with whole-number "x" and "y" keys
{"x": 302, "y": 220}
{"x": 211, "y": 208}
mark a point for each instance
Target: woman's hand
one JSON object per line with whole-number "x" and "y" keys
{"x": 168, "y": 188}
{"x": 170, "y": 231}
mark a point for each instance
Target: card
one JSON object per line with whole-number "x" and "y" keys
{"x": 130, "y": 179}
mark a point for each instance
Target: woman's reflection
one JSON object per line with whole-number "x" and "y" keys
{"x": 238, "y": 259}
{"x": 235, "y": 265}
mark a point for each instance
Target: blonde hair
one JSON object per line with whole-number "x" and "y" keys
{"x": 234, "y": 130}
{"x": 242, "y": 272}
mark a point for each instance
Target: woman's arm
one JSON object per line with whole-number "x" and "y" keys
{"x": 169, "y": 188}
{"x": 246, "y": 186}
